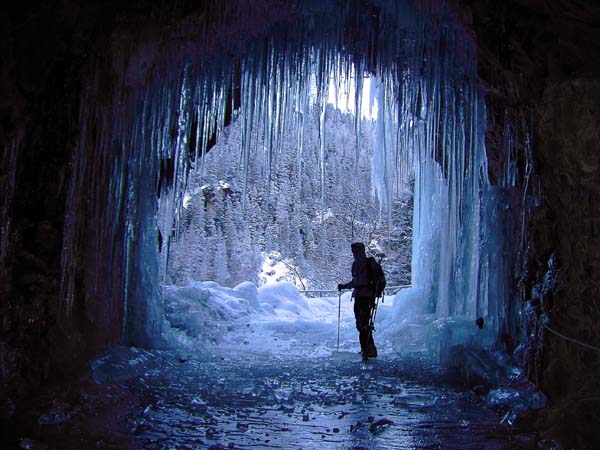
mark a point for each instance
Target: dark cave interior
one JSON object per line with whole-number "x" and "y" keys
{"x": 538, "y": 63}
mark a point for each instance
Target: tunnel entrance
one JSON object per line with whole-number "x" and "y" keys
{"x": 172, "y": 98}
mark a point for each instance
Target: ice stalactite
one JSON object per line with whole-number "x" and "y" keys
{"x": 169, "y": 103}
{"x": 424, "y": 105}
{"x": 110, "y": 225}
{"x": 459, "y": 253}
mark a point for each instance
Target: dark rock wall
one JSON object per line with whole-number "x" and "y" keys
{"x": 568, "y": 223}
{"x": 39, "y": 92}
{"x": 541, "y": 61}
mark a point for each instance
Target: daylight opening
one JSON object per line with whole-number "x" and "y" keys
{"x": 295, "y": 221}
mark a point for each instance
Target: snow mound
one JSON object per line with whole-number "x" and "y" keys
{"x": 282, "y": 299}
{"x": 249, "y": 291}
{"x": 202, "y": 312}
{"x": 199, "y": 311}
{"x": 201, "y": 304}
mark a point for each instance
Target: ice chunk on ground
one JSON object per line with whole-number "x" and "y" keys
{"x": 516, "y": 398}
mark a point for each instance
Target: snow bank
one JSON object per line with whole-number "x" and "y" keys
{"x": 202, "y": 311}
{"x": 249, "y": 291}
{"x": 199, "y": 311}
{"x": 202, "y": 304}
{"x": 206, "y": 313}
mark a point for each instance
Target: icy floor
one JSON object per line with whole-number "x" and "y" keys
{"x": 282, "y": 384}
{"x": 258, "y": 402}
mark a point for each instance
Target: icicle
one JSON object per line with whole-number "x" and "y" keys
{"x": 358, "y": 108}
{"x": 322, "y": 153}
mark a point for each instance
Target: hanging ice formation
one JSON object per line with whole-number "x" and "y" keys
{"x": 168, "y": 102}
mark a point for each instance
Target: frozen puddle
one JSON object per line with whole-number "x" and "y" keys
{"x": 283, "y": 384}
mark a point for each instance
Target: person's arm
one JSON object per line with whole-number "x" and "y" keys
{"x": 346, "y": 286}
{"x": 350, "y": 285}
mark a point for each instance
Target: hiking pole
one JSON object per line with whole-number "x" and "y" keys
{"x": 339, "y": 314}
{"x": 374, "y": 314}
{"x": 374, "y": 311}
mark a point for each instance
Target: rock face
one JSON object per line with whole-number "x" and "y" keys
{"x": 568, "y": 222}
{"x": 539, "y": 62}
{"x": 40, "y": 95}
{"x": 51, "y": 55}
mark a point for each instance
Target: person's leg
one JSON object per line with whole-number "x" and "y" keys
{"x": 372, "y": 350}
{"x": 370, "y": 343}
{"x": 361, "y": 314}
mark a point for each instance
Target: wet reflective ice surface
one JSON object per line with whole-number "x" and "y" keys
{"x": 233, "y": 401}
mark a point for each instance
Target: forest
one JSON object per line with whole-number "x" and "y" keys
{"x": 291, "y": 215}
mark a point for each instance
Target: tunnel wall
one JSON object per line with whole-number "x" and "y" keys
{"x": 65, "y": 262}
{"x": 539, "y": 62}
{"x": 79, "y": 242}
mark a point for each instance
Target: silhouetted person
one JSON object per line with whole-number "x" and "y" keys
{"x": 364, "y": 299}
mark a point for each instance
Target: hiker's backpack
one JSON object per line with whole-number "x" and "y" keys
{"x": 376, "y": 276}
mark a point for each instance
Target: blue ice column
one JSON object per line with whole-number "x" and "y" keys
{"x": 143, "y": 301}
